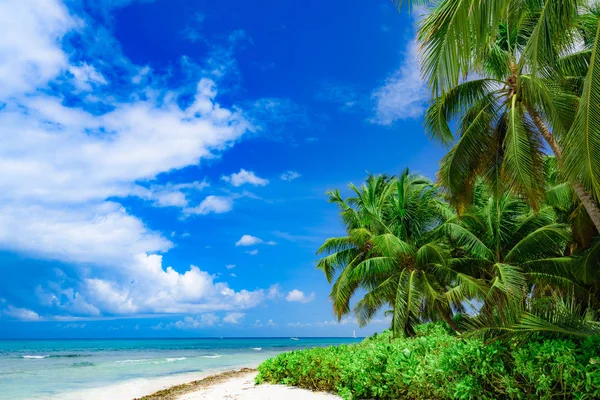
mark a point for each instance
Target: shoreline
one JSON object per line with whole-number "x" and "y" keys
{"x": 141, "y": 388}
{"x": 232, "y": 384}
{"x": 175, "y": 391}
{"x": 235, "y": 385}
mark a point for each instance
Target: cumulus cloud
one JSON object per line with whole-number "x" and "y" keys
{"x": 212, "y": 204}
{"x": 403, "y": 95}
{"x": 245, "y": 177}
{"x": 233, "y": 318}
{"x": 252, "y": 252}
{"x": 21, "y": 314}
{"x": 248, "y": 240}
{"x": 289, "y": 176}
{"x": 298, "y": 296}
{"x": 230, "y": 266}
{"x": 147, "y": 287}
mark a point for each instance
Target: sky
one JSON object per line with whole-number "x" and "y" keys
{"x": 164, "y": 164}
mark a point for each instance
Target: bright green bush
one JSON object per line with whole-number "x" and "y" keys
{"x": 438, "y": 365}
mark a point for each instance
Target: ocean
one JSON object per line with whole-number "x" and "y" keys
{"x": 71, "y": 369}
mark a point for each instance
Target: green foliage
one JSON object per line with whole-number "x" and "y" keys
{"x": 436, "y": 364}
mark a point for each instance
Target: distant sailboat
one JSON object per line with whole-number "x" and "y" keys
{"x": 354, "y": 334}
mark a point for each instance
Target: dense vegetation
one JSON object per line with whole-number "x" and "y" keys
{"x": 436, "y": 364}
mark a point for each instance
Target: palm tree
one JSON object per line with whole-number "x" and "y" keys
{"x": 391, "y": 252}
{"x": 526, "y": 282}
{"x": 521, "y": 98}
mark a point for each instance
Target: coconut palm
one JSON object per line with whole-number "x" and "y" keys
{"x": 522, "y": 97}
{"x": 527, "y": 284}
{"x": 391, "y": 252}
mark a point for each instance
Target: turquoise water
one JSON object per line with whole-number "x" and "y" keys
{"x": 38, "y": 369}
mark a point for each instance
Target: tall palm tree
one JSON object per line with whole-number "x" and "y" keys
{"x": 391, "y": 252}
{"x": 521, "y": 96}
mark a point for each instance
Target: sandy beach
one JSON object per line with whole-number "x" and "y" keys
{"x": 230, "y": 385}
{"x": 235, "y": 385}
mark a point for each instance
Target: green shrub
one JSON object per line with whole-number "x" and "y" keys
{"x": 438, "y": 365}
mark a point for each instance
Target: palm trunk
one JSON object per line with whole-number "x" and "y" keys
{"x": 448, "y": 319}
{"x": 586, "y": 199}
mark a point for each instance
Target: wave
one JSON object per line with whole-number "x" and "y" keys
{"x": 215, "y": 356}
{"x": 131, "y": 361}
{"x": 54, "y": 356}
{"x": 175, "y": 359}
{"x": 257, "y": 348}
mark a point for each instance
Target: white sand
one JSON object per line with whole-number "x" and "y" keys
{"x": 244, "y": 389}
{"x": 241, "y": 388}
{"x": 131, "y": 389}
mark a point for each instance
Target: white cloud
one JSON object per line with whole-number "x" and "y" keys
{"x": 233, "y": 318}
{"x": 298, "y": 296}
{"x": 274, "y": 292}
{"x": 22, "y": 314}
{"x": 248, "y": 240}
{"x": 30, "y": 35}
{"x": 85, "y": 76}
{"x": 244, "y": 177}
{"x": 299, "y": 324}
{"x": 289, "y": 176}
{"x": 212, "y": 204}
{"x": 252, "y": 252}
{"x": 269, "y": 323}
{"x": 170, "y": 195}
{"x": 233, "y": 275}
{"x": 188, "y": 323}
{"x": 146, "y": 287}
{"x": 230, "y": 266}
{"x": 404, "y": 95}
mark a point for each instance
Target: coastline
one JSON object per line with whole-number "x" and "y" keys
{"x": 232, "y": 384}
{"x": 176, "y": 391}
{"x": 235, "y": 385}
{"x": 145, "y": 388}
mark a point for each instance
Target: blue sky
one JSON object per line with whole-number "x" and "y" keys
{"x": 164, "y": 163}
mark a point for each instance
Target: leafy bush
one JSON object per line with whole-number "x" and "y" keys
{"x": 438, "y": 365}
